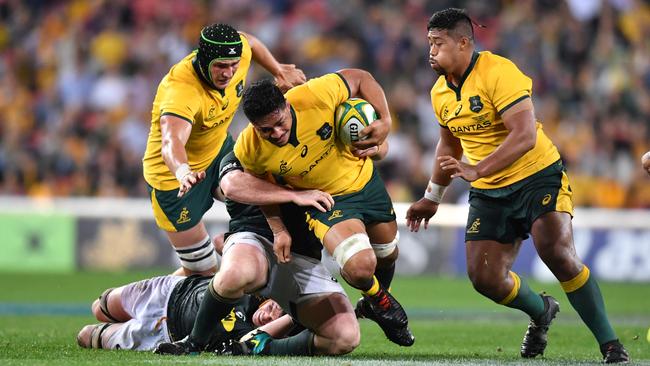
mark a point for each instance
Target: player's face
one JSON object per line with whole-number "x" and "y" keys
{"x": 276, "y": 126}
{"x": 443, "y": 51}
{"x": 266, "y": 313}
{"x": 222, "y": 72}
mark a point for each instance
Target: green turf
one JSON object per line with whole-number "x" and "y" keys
{"x": 452, "y": 323}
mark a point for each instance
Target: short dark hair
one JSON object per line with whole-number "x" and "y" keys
{"x": 454, "y": 20}
{"x": 261, "y": 99}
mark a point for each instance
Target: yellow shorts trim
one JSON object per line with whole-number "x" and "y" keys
{"x": 317, "y": 227}
{"x": 564, "y": 201}
{"x": 577, "y": 282}
{"x": 515, "y": 289}
{"x": 161, "y": 219}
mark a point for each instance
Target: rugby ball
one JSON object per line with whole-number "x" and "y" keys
{"x": 351, "y": 117}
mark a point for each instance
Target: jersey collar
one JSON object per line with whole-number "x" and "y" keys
{"x": 457, "y": 89}
{"x": 293, "y": 137}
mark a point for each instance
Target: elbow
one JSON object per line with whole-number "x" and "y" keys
{"x": 528, "y": 142}
{"x": 228, "y": 186}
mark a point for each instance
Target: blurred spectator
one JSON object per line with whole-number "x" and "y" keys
{"x": 77, "y": 81}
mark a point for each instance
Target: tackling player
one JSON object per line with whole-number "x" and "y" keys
{"x": 142, "y": 314}
{"x": 519, "y": 185}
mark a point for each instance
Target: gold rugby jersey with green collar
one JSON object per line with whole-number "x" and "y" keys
{"x": 472, "y": 112}
{"x": 312, "y": 159}
{"x": 183, "y": 94}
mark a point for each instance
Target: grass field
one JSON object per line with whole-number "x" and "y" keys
{"x": 41, "y": 314}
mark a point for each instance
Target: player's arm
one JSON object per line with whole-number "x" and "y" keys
{"x": 522, "y": 136}
{"x": 175, "y": 132}
{"x": 375, "y": 152}
{"x": 286, "y": 75}
{"x": 362, "y": 84}
{"x": 280, "y": 327}
{"x": 246, "y": 188}
{"x": 427, "y": 206}
{"x": 281, "y": 236}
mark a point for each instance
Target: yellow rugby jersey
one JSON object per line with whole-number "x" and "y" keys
{"x": 311, "y": 159}
{"x": 472, "y": 112}
{"x": 183, "y": 94}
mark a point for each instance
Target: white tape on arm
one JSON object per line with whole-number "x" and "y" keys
{"x": 434, "y": 192}
{"x": 182, "y": 171}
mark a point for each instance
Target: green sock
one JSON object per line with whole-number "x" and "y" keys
{"x": 213, "y": 308}
{"x": 385, "y": 275}
{"x": 588, "y": 303}
{"x": 299, "y": 345}
{"x": 523, "y": 298}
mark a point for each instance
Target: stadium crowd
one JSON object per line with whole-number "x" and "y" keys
{"x": 77, "y": 80}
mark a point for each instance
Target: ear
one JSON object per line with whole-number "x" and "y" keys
{"x": 463, "y": 43}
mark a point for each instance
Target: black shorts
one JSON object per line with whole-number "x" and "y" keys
{"x": 507, "y": 214}
{"x": 180, "y": 214}
{"x": 371, "y": 204}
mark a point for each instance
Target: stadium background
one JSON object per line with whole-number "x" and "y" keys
{"x": 76, "y": 84}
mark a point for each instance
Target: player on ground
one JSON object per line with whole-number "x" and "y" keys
{"x": 192, "y": 110}
{"x": 519, "y": 185}
{"x": 293, "y": 140}
{"x": 304, "y": 287}
{"x": 142, "y": 314}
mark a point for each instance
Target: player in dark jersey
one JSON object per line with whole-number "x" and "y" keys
{"x": 140, "y": 315}
{"x": 303, "y": 287}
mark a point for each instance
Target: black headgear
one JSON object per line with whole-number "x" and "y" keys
{"x": 217, "y": 42}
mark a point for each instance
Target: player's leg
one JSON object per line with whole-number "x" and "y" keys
{"x": 95, "y": 336}
{"x": 108, "y": 307}
{"x": 195, "y": 251}
{"x": 350, "y": 246}
{"x": 384, "y": 238}
{"x": 553, "y": 236}
{"x": 332, "y": 322}
{"x": 244, "y": 268}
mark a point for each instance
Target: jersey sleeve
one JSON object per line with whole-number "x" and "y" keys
{"x": 507, "y": 86}
{"x": 181, "y": 99}
{"x": 247, "y": 149}
{"x": 228, "y": 164}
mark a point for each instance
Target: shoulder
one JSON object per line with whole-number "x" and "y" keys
{"x": 488, "y": 63}
{"x": 325, "y": 89}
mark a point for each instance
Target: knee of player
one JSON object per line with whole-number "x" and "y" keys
{"x": 356, "y": 256}
{"x": 361, "y": 266}
{"x": 233, "y": 280}
{"x": 482, "y": 281}
{"x": 346, "y": 340}
{"x": 84, "y": 335}
{"x": 97, "y": 311}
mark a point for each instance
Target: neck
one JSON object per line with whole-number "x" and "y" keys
{"x": 457, "y": 74}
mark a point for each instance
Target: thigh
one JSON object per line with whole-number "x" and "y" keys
{"x": 147, "y": 298}
{"x": 290, "y": 284}
{"x": 553, "y": 238}
{"x": 497, "y": 218}
{"x": 245, "y": 255}
{"x": 341, "y": 231}
{"x": 327, "y": 314}
{"x": 489, "y": 259}
{"x": 136, "y": 334}
{"x": 382, "y": 232}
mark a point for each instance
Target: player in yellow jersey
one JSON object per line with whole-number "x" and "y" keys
{"x": 192, "y": 110}
{"x": 519, "y": 185}
{"x": 291, "y": 139}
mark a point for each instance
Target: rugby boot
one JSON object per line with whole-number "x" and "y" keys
{"x": 614, "y": 352}
{"x": 383, "y": 309}
{"x": 254, "y": 343}
{"x": 179, "y": 348}
{"x": 535, "y": 339}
